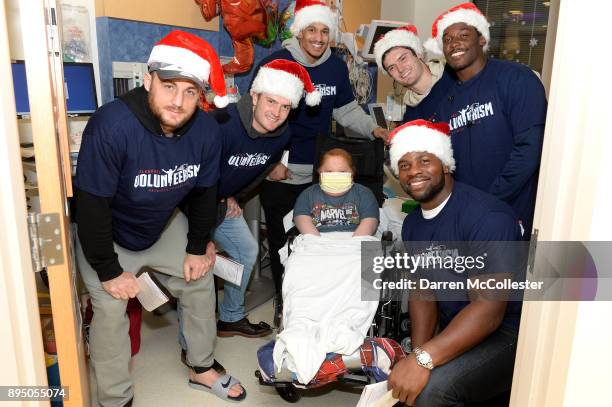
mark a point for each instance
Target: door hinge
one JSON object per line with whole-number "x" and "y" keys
{"x": 45, "y": 240}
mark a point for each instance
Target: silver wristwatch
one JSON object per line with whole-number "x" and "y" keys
{"x": 423, "y": 358}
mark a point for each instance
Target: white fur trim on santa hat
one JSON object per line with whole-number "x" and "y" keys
{"x": 278, "y": 83}
{"x": 421, "y": 138}
{"x": 396, "y": 38}
{"x": 470, "y": 17}
{"x": 313, "y": 14}
{"x": 181, "y": 59}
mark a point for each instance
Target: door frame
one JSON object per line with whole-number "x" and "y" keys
{"x": 44, "y": 70}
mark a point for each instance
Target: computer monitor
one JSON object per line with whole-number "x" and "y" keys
{"x": 376, "y": 30}
{"x": 79, "y": 88}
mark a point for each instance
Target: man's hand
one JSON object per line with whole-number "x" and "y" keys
{"x": 279, "y": 172}
{"x": 122, "y": 287}
{"x": 379, "y": 132}
{"x": 195, "y": 266}
{"x": 408, "y": 379}
{"x": 233, "y": 209}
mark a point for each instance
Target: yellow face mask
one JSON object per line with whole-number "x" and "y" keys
{"x": 336, "y": 182}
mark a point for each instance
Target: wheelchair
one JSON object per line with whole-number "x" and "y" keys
{"x": 370, "y": 363}
{"x": 389, "y": 326}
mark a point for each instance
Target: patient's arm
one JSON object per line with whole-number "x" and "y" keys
{"x": 367, "y": 227}
{"x": 305, "y": 226}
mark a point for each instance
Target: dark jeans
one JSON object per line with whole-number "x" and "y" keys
{"x": 478, "y": 375}
{"x": 277, "y": 200}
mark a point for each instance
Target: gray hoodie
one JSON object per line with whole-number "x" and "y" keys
{"x": 350, "y": 115}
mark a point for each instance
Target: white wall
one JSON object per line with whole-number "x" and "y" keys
{"x": 564, "y": 356}
{"x": 421, "y": 13}
{"x": 397, "y": 10}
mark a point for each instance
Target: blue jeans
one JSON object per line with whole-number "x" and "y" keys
{"x": 479, "y": 374}
{"x": 235, "y": 238}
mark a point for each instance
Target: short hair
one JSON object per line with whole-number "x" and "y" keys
{"x": 338, "y": 152}
{"x": 382, "y": 60}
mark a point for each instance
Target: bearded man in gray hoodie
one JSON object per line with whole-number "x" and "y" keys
{"x": 313, "y": 28}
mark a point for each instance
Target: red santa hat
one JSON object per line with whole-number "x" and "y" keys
{"x": 312, "y": 11}
{"x": 406, "y": 36}
{"x": 187, "y": 56}
{"x": 286, "y": 79}
{"x": 421, "y": 135}
{"x": 466, "y": 13}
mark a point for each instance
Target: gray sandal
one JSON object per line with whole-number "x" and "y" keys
{"x": 221, "y": 388}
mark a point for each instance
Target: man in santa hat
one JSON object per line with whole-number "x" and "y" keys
{"x": 254, "y": 135}
{"x": 496, "y": 110}
{"x": 399, "y": 54}
{"x": 314, "y": 26}
{"x": 471, "y": 358}
{"x": 141, "y": 157}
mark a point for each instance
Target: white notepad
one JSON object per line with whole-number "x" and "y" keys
{"x": 376, "y": 395}
{"x": 150, "y": 295}
{"x": 288, "y": 221}
{"x": 285, "y": 158}
{"x": 228, "y": 269}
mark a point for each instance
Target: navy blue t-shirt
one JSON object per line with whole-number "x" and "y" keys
{"x": 469, "y": 215}
{"x": 497, "y": 123}
{"x": 331, "y": 79}
{"x": 244, "y": 158}
{"x": 146, "y": 174}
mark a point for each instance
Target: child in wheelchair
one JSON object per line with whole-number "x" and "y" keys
{"x": 336, "y": 204}
{"x": 325, "y": 320}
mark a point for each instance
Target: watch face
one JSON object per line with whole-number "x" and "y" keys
{"x": 423, "y": 358}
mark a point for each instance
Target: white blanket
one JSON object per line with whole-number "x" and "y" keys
{"x": 322, "y": 307}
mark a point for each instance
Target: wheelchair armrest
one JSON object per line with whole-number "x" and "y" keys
{"x": 291, "y": 235}
{"x": 387, "y": 237}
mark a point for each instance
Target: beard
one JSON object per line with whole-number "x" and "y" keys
{"x": 428, "y": 193}
{"x": 161, "y": 114}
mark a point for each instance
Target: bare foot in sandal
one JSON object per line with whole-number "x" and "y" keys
{"x": 209, "y": 378}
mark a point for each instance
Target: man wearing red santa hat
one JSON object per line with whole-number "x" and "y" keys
{"x": 141, "y": 157}
{"x": 313, "y": 28}
{"x": 471, "y": 357}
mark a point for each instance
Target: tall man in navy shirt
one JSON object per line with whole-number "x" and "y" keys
{"x": 313, "y": 27}
{"x": 254, "y": 133}
{"x": 472, "y": 357}
{"x": 141, "y": 157}
{"x": 496, "y": 111}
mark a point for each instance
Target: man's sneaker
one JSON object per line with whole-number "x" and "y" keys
{"x": 243, "y": 328}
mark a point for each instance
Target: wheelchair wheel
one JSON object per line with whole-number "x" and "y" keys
{"x": 289, "y": 393}
{"x": 404, "y": 324}
{"x": 406, "y": 345}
